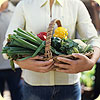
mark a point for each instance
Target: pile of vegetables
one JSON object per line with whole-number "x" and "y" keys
{"x": 23, "y": 45}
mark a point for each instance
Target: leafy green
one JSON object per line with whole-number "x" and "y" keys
{"x": 56, "y": 42}
{"x": 68, "y": 46}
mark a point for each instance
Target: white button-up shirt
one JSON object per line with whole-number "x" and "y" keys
{"x": 34, "y": 15}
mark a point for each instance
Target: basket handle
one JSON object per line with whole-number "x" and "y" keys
{"x": 48, "y": 53}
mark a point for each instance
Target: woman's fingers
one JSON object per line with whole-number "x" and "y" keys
{"x": 43, "y": 63}
{"x": 46, "y": 68}
{"x": 65, "y": 60}
{"x": 66, "y": 66}
{"x": 78, "y": 55}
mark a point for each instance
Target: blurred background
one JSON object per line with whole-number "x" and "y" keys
{"x": 90, "y": 79}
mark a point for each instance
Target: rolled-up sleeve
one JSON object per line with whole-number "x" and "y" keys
{"x": 17, "y": 21}
{"x": 85, "y": 26}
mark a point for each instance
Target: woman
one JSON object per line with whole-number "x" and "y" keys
{"x": 41, "y": 83}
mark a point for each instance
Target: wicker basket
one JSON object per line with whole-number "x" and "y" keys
{"x": 48, "y": 53}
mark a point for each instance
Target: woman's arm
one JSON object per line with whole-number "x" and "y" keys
{"x": 96, "y": 54}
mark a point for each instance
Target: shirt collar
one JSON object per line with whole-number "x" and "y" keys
{"x": 44, "y": 2}
{"x": 60, "y": 2}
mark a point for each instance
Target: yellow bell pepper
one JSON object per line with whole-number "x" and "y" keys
{"x": 60, "y": 32}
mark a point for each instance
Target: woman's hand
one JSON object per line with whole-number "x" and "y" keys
{"x": 74, "y": 66}
{"x": 34, "y": 65}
